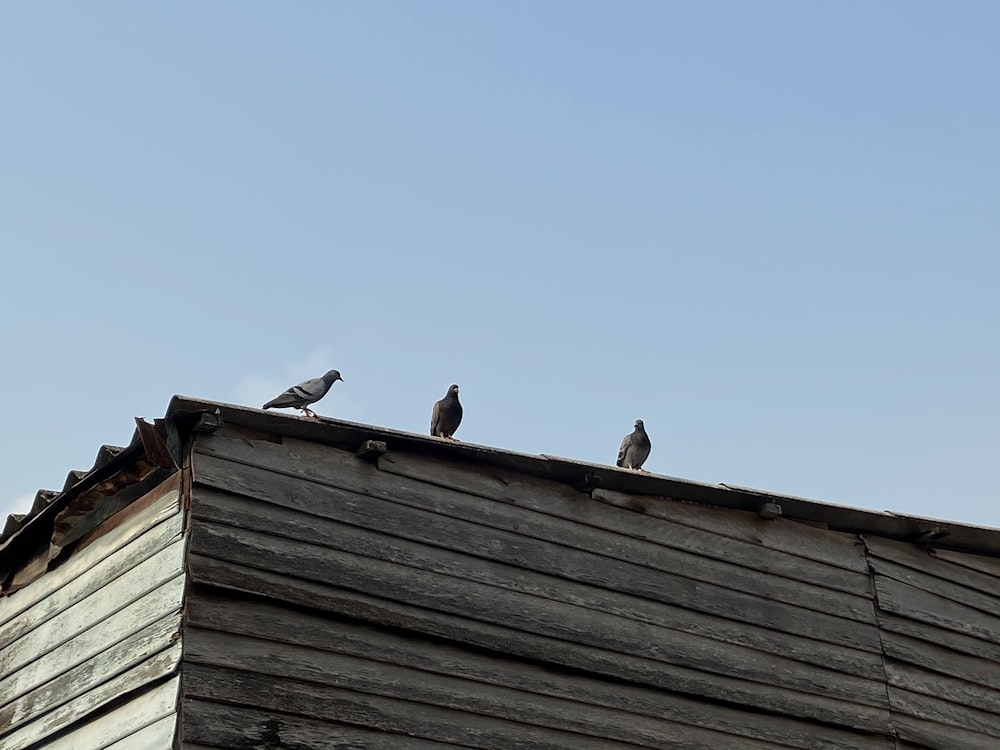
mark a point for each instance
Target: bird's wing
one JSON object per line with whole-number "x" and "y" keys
{"x": 626, "y": 442}
{"x": 299, "y": 395}
{"x": 286, "y": 398}
{"x": 435, "y": 417}
{"x": 313, "y": 389}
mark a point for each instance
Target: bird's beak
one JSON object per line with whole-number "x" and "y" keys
{"x": 340, "y": 379}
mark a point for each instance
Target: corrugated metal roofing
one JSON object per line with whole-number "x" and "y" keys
{"x": 583, "y": 475}
{"x": 44, "y": 498}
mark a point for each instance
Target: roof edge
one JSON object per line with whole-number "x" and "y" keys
{"x": 587, "y": 476}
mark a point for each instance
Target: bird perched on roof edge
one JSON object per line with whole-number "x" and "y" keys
{"x": 305, "y": 393}
{"x": 446, "y": 415}
{"x": 635, "y": 448}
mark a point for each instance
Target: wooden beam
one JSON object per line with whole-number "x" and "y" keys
{"x": 370, "y": 450}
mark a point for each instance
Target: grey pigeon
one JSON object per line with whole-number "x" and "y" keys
{"x": 635, "y": 448}
{"x": 447, "y": 414}
{"x": 305, "y": 393}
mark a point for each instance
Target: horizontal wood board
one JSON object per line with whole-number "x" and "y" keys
{"x": 209, "y": 724}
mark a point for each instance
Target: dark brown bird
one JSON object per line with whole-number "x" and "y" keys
{"x": 635, "y": 448}
{"x": 447, "y": 415}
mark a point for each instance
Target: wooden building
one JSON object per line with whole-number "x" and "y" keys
{"x": 244, "y": 579}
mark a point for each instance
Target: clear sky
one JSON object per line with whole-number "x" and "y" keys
{"x": 769, "y": 229}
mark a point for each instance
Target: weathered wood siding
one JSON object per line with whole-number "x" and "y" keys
{"x": 87, "y": 650}
{"x": 939, "y": 614}
{"x": 419, "y": 603}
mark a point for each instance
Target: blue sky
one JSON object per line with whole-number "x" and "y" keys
{"x": 768, "y": 229}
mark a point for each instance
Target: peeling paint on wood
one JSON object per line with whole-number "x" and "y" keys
{"x": 149, "y": 671}
{"x": 121, "y": 724}
{"x": 104, "y": 624}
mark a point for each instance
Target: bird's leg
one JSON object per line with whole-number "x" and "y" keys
{"x": 306, "y": 411}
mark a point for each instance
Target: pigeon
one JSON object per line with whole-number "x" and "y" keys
{"x": 447, "y": 415}
{"x": 305, "y": 393}
{"x": 635, "y": 448}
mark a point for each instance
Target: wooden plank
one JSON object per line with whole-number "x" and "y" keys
{"x": 909, "y": 564}
{"x": 83, "y": 645}
{"x": 526, "y": 611}
{"x": 157, "y": 666}
{"x": 445, "y": 488}
{"x": 784, "y": 535}
{"x": 659, "y": 522}
{"x": 29, "y": 570}
{"x": 666, "y": 601}
{"x": 934, "y": 736}
{"x": 931, "y": 561}
{"x": 97, "y": 606}
{"x": 941, "y": 659}
{"x": 162, "y": 508}
{"x": 280, "y": 624}
{"x": 365, "y": 677}
{"x": 400, "y": 716}
{"x": 909, "y": 601}
{"x": 508, "y": 641}
{"x": 74, "y": 524}
{"x": 963, "y": 595}
{"x": 128, "y": 515}
{"x": 981, "y": 563}
{"x": 123, "y": 560}
{"x": 116, "y": 659}
{"x": 218, "y": 725}
{"x": 508, "y": 530}
{"x": 157, "y": 736}
{"x": 141, "y": 711}
{"x": 938, "y": 636}
{"x": 928, "y": 695}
